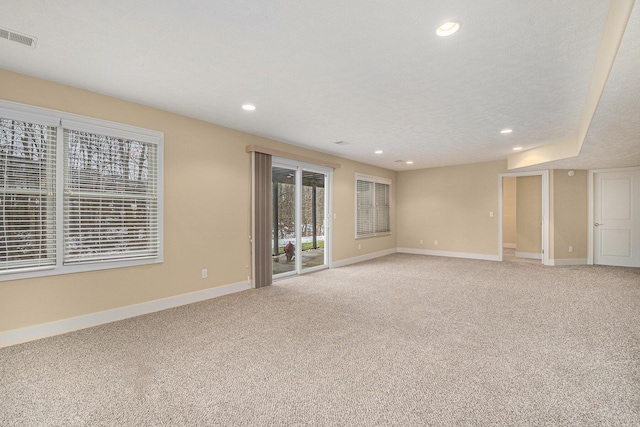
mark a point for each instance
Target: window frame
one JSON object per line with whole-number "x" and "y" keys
{"x": 374, "y": 180}
{"x": 61, "y": 121}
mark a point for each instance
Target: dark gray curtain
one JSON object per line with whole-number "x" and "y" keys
{"x": 263, "y": 220}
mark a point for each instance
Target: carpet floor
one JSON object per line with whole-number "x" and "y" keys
{"x": 401, "y": 340}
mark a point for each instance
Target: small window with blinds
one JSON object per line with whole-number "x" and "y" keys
{"x": 372, "y": 206}
{"x": 76, "y": 194}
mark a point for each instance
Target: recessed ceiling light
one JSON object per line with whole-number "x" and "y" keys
{"x": 503, "y": 131}
{"x": 517, "y": 148}
{"x": 409, "y": 162}
{"x": 447, "y": 28}
{"x": 378, "y": 151}
{"x": 248, "y": 107}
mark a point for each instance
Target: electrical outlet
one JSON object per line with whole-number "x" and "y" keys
{"x": 204, "y": 273}
{"x": 421, "y": 242}
{"x": 359, "y": 246}
{"x": 570, "y": 248}
{"x": 435, "y": 243}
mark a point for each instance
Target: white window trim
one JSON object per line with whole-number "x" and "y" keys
{"x": 374, "y": 179}
{"x": 62, "y": 120}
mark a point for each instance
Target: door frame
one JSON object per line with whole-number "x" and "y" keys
{"x": 592, "y": 207}
{"x": 545, "y": 210}
{"x": 299, "y": 167}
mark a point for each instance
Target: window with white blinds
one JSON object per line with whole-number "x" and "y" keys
{"x": 27, "y": 198}
{"x": 372, "y": 206}
{"x": 110, "y": 198}
{"x": 76, "y": 194}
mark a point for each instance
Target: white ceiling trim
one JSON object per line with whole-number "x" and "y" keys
{"x": 619, "y": 14}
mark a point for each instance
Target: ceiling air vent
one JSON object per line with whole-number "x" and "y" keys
{"x": 17, "y": 37}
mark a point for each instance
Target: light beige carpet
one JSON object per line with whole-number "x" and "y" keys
{"x": 402, "y": 340}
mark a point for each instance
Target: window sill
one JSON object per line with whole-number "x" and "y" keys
{"x": 368, "y": 236}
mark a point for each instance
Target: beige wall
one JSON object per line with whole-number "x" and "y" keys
{"x": 529, "y": 219}
{"x": 450, "y": 204}
{"x": 344, "y": 189}
{"x": 207, "y": 211}
{"x": 509, "y": 212}
{"x": 569, "y": 208}
{"x": 207, "y": 224}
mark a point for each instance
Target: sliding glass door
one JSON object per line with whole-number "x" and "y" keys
{"x": 301, "y": 222}
{"x": 283, "y": 183}
{"x": 312, "y": 227}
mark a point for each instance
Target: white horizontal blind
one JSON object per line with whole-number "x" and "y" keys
{"x": 382, "y": 208}
{"x": 27, "y": 195}
{"x": 365, "y": 208}
{"x": 110, "y": 198}
{"x": 373, "y": 206}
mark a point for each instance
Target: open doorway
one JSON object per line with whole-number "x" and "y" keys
{"x": 524, "y": 217}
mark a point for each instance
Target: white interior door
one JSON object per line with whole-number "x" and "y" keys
{"x": 616, "y": 227}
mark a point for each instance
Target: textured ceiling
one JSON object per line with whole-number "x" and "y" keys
{"x": 613, "y": 139}
{"x": 369, "y": 72}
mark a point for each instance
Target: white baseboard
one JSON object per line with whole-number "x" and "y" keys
{"x": 529, "y": 255}
{"x": 448, "y": 254}
{"x": 361, "y": 258}
{"x": 509, "y": 245}
{"x": 30, "y": 333}
{"x": 568, "y": 261}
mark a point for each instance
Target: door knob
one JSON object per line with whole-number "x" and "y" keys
{"x": 597, "y": 224}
